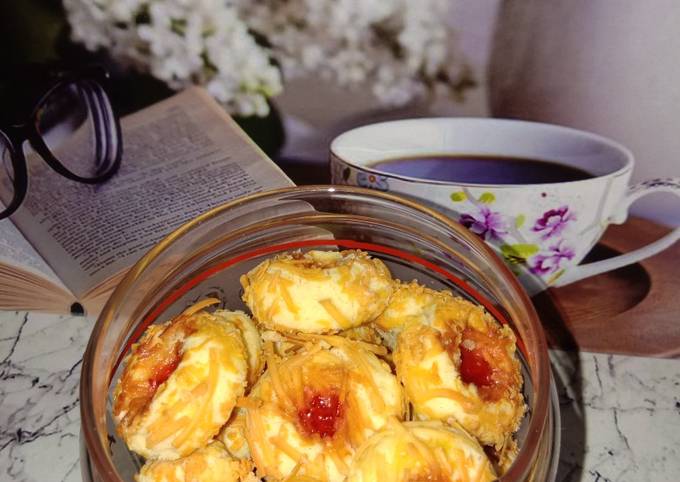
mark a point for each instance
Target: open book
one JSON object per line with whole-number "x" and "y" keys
{"x": 69, "y": 243}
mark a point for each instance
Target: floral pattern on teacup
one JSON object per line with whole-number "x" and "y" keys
{"x": 549, "y": 262}
{"x": 372, "y": 181}
{"x": 539, "y": 246}
{"x": 553, "y": 222}
{"x": 670, "y": 182}
{"x": 339, "y": 173}
{"x": 485, "y": 223}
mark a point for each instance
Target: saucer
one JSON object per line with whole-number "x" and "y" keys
{"x": 638, "y": 303}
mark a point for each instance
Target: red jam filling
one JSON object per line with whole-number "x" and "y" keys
{"x": 484, "y": 362}
{"x": 321, "y": 415}
{"x": 474, "y": 368}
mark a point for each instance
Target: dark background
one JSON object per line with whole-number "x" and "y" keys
{"x": 36, "y": 31}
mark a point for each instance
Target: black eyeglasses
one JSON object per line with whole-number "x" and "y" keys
{"x": 72, "y": 127}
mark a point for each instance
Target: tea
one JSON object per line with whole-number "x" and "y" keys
{"x": 476, "y": 169}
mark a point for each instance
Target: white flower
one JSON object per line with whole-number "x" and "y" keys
{"x": 400, "y": 49}
{"x": 183, "y": 42}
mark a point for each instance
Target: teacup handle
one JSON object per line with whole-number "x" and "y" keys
{"x": 669, "y": 184}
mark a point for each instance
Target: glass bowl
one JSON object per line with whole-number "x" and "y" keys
{"x": 206, "y": 256}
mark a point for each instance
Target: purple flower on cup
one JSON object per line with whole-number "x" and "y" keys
{"x": 547, "y": 263}
{"x": 372, "y": 181}
{"x": 553, "y": 222}
{"x": 487, "y": 224}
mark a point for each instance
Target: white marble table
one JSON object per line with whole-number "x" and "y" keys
{"x": 620, "y": 415}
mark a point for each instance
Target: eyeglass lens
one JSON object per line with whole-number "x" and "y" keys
{"x": 77, "y": 124}
{"x": 7, "y": 188}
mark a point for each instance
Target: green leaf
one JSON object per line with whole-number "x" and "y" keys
{"x": 518, "y": 253}
{"x": 554, "y": 277}
{"x": 459, "y": 196}
{"x": 487, "y": 198}
{"x": 519, "y": 221}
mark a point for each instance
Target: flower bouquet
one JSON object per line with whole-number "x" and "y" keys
{"x": 241, "y": 51}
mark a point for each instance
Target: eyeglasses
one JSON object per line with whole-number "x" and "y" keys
{"x": 72, "y": 127}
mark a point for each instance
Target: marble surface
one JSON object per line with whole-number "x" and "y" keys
{"x": 620, "y": 415}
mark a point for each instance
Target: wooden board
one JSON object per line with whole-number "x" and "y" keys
{"x": 634, "y": 310}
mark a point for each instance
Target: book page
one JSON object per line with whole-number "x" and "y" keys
{"x": 15, "y": 251}
{"x": 182, "y": 157}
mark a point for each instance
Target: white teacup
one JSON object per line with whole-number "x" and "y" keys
{"x": 542, "y": 229}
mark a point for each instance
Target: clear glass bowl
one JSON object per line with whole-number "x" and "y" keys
{"x": 206, "y": 256}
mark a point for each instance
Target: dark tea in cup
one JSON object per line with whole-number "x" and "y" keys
{"x": 473, "y": 169}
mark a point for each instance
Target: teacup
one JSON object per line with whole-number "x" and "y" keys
{"x": 543, "y": 228}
